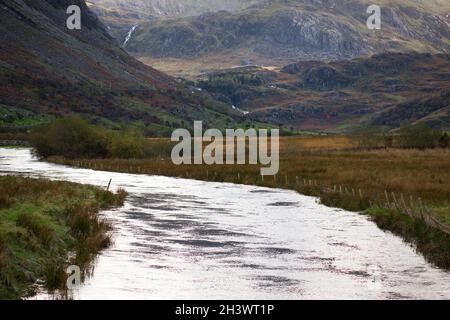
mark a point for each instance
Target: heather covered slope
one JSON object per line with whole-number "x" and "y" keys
{"x": 47, "y": 70}
{"x": 389, "y": 89}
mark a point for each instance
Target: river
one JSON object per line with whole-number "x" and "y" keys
{"x": 187, "y": 239}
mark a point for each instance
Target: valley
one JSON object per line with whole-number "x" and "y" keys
{"x": 305, "y": 65}
{"x": 378, "y": 91}
{"x": 352, "y": 203}
{"x": 50, "y": 71}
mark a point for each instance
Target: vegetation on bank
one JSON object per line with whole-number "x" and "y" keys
{"x": 431, "y": 242}
{"x": 406, "y": 172}
{"x": 45, "y": 226}
{"x": 338, "y": 171}
{"x": 75, "y": 138}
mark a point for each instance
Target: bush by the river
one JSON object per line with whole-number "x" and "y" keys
{"x": 74, "y": 138}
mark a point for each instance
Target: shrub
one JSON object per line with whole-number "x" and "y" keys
{"x": 418, "y": 137}
{"x": 69, "y": 137}
{"x": 74, "y": 138}
{"x": 129, "y": 145}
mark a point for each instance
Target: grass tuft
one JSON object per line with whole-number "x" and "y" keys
{"x": 41, "y": 222}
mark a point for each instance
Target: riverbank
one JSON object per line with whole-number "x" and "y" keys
{"x": 46, "y": 225}
{"x": 279, "y": 243}
{"x": 408, "y": 183}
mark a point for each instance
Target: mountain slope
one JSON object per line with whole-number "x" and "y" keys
{"x": 382, "y": 90}
{"x": 121, "y": 15}
{"x": 274, "y": 33}
{"x": 47, "y": 70}
{"x": 433, "y": 110}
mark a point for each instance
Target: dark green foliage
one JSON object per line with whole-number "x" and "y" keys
{"x": 418, "y": 137}
{"x": 69, "y": 137}
{"x": 75, "y": 138}
{"x": 128, "y": 145}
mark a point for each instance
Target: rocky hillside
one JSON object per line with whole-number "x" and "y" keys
{"x": 171, "y": 8}
{"x": 383, "y": 90}
{"x": 277, "y": 32}
{"x": 122, "y": 15}
{"x": 47, "y": 70}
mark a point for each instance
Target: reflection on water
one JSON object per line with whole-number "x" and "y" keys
{"x": 185, "y": 239}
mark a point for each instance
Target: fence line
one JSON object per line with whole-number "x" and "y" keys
{"x": 415, "y": 209}
{"x": 397, "y": 202}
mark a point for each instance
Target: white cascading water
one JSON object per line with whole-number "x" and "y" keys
{"x": 129, "y": 35}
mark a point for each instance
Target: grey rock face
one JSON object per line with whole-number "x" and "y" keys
{"x": 292, "y": 33}
{"x": 174, "y": 8}
{"x": 287, "y": 30}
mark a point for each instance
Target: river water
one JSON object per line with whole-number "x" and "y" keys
{"x": 186, "y": 239}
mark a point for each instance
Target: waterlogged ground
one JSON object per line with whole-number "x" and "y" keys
{"x": 184, "y": 239}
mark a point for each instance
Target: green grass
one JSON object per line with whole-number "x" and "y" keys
{"x": 41, "y": 222}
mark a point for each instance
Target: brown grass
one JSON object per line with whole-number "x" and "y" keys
{"x": 310, "y": 164}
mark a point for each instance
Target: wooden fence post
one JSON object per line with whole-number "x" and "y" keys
{"x": 387, "y": 199}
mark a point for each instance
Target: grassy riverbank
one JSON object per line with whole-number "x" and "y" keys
{"x": 400, "y": 183}
{"x": 44, "y": 222}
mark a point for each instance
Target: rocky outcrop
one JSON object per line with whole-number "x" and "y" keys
{"x": 295, "y": 30}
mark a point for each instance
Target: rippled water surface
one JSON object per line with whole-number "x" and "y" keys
{"x": 185, "y": 239}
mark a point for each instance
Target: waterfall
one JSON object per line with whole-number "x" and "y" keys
{"x": 129, "y": 35}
